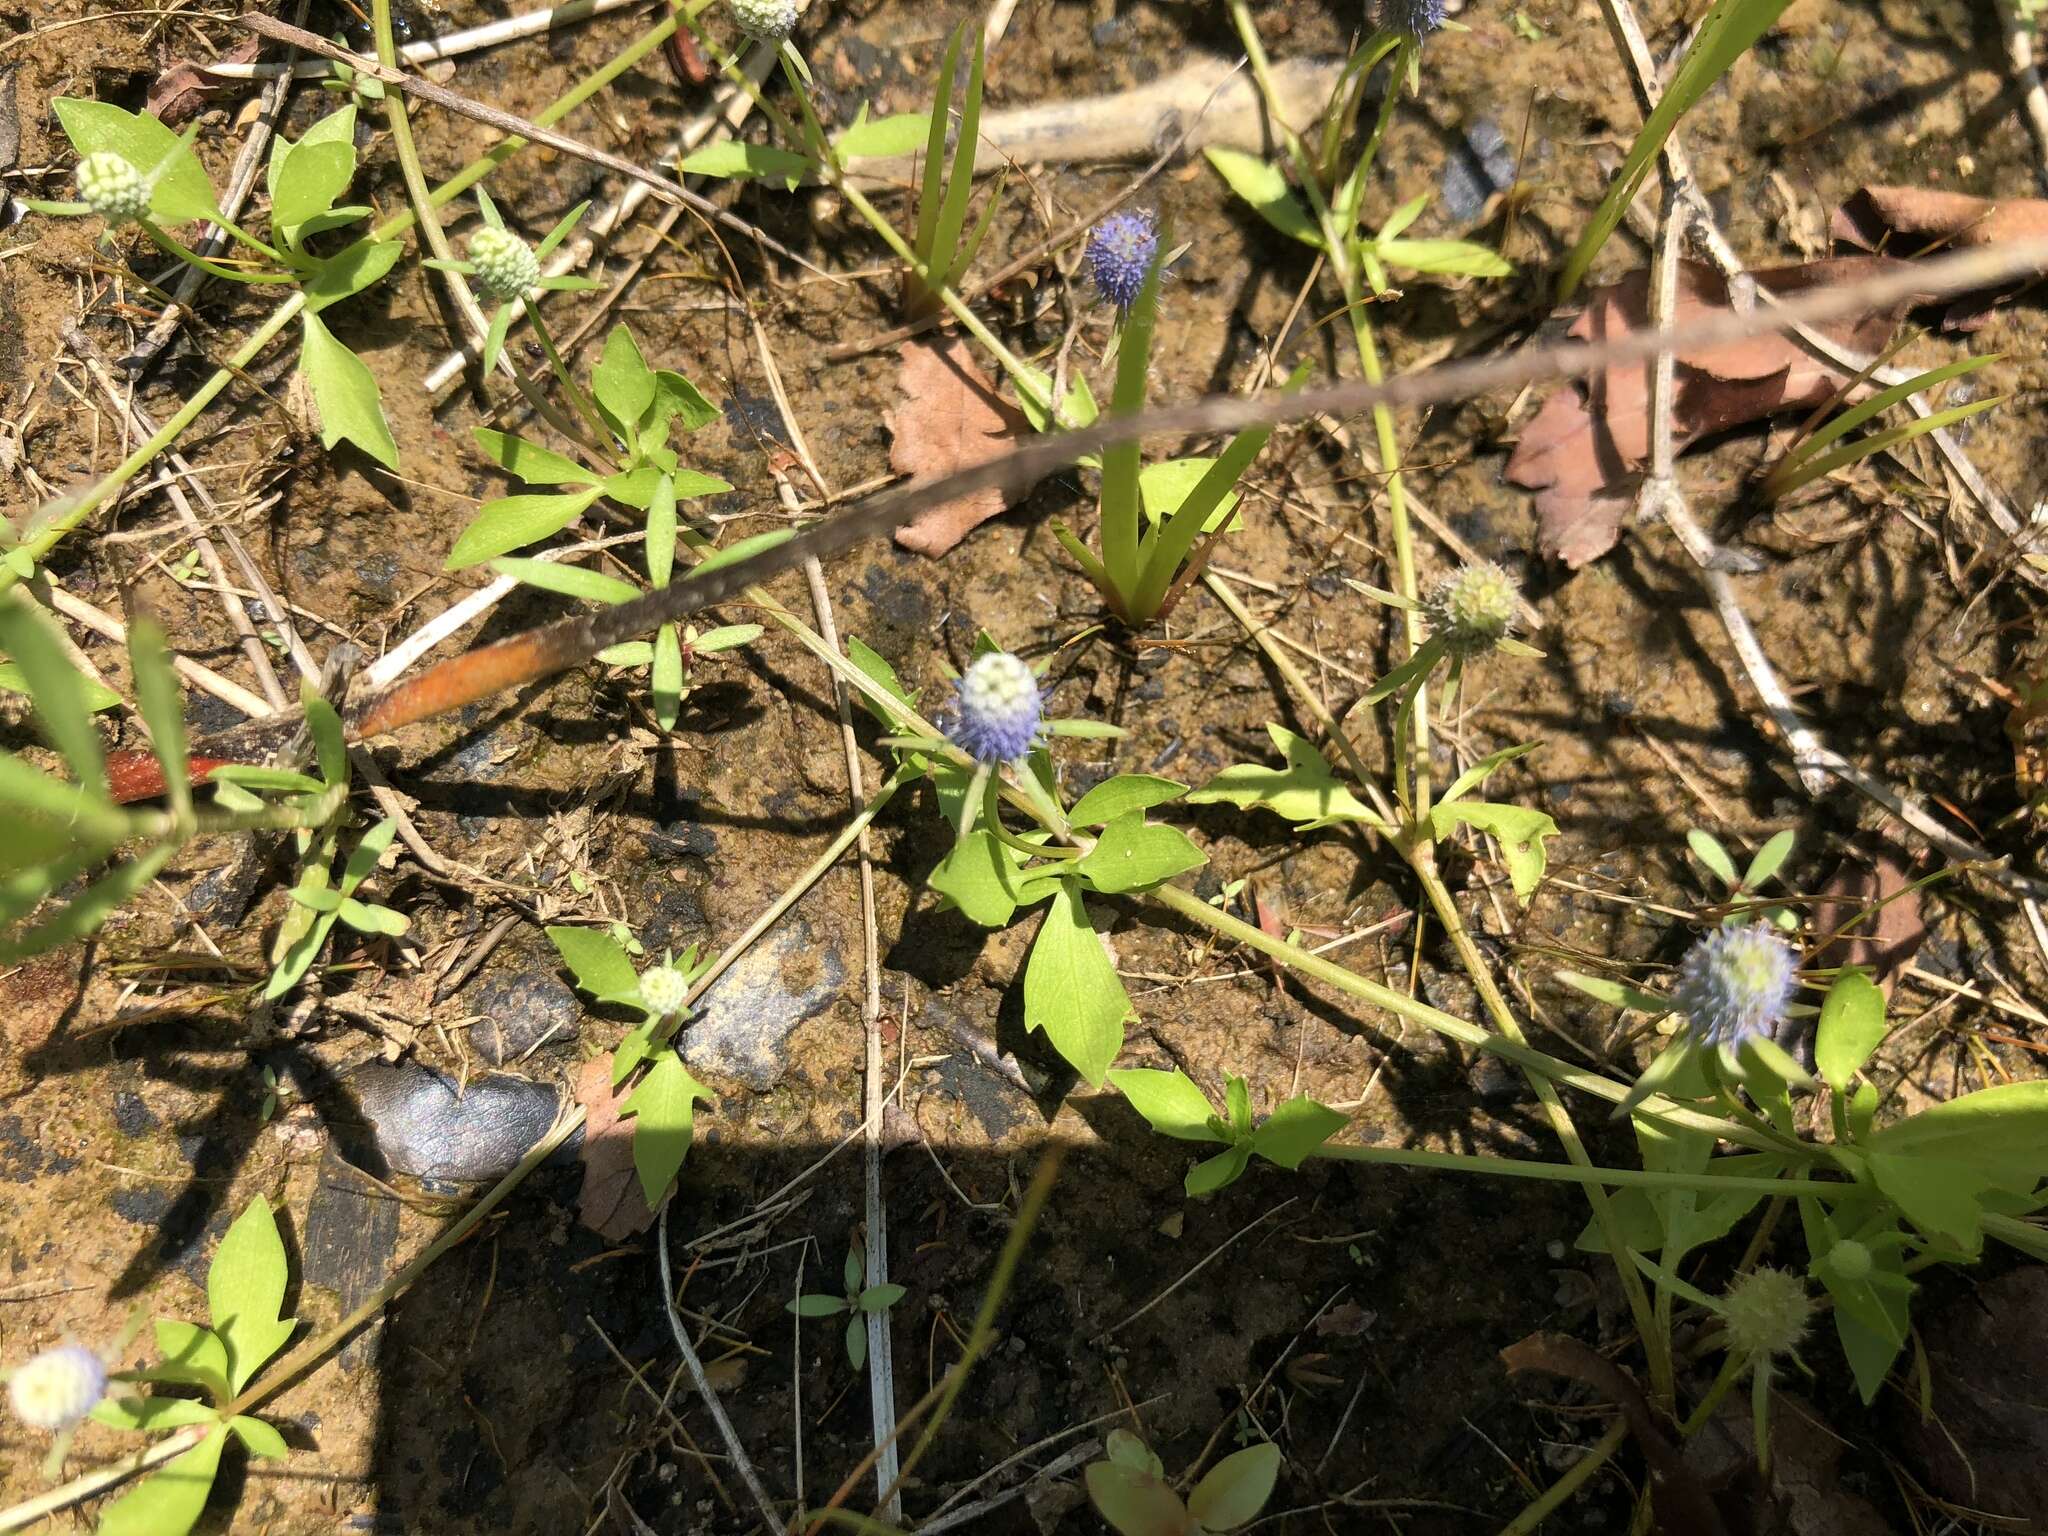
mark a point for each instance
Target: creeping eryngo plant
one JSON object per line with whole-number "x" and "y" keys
{"x": 506, "y": 272}
{"x": 858, "y": 1303}
{"x": 765, "y": 21}
{"x": 245, "y": 1287}
{"x": 663, "y": 1103}
{"x": 135, "y": 173}
{"x": 1927, "y": 1188}
{"x": 1129, "y": 1489}
{"x": 1157, "y": 522}
{"x": 1174, "y": 1106}
{"x": 62, "y": 828}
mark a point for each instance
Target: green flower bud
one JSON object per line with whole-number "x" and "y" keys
{"x": 1849, "y": 1259}
{"x": 112, "y": 187}
{"x": 663, "y": 990}
{"x": 1472, "y": 609}
{"x": 506, "y": 268}
{"x": 1767, "y": 1311}
{"x": 765, "y": 21}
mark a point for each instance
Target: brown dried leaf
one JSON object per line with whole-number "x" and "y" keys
{"x": 1910, "y": 220}
{"x": 1888, "y": 938}
{"x": 610, "y": 1203}
{"x": 1346, "y": 1320}
{"x": 950, "y": 418}
{"x": 1584, "y": 449}
{"x": 184, "y": 89}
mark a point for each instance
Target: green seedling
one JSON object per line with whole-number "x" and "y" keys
{"x": 1174, "y": 1106}
{"x": 245, "y": 1287}
{"x": 859, "y": 1303}
{"x": 663, "y": 1103}
{"x": 1130, "y": 1491}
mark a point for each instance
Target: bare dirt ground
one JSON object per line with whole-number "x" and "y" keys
{"x": 1354, "y": 1316}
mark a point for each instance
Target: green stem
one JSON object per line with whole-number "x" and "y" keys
{"x": 600, "y": 432}
{"x": 1576, "y": 1477}
{"x": 171, "y": 246}
{"x": 1586, "y": 1174}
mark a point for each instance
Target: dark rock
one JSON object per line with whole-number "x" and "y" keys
{"x": 518, "y": 1011}
{"x": 350, "y": 1244}
{"x": 1482, "y": 165}
{"x": 132, "y": 1117}
{"x": 423, "y": 1123}
{"x": 747, "y": 1017}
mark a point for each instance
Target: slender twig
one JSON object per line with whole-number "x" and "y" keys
{"x": 431, "y": 50}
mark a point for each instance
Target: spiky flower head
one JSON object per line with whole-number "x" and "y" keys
{"x": 1418, "y": 17}
{"x": 1735, "y": 984}
{"x": 111, "y": 186}
{"x": 996, "y": 709}
{"x": 765, "y": 21}
{"x": 664, "y": 990}
{"x": 506, "y": 268}
{"x": 58, "y": 1387}
{"x": 1473, "y": 608}
{"x": 1120, "y": 251}
{"x": 1767, "y": 1312}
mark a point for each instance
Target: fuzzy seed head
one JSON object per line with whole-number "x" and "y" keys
{"x": 1850, "y": 1260}
{"x": 1767, "y": 1312}
{"x": 1419, "y": 17}
{"x": 1120, "y": 252}
{"x": 765, "y": 21}
{"x": 1473, "y": 608}
{"x": 58, "y": 1387}
{"x": 112, "y": 187}
{"x": 663, "y": 990}
{"x": 1735, "y": 983}
{"x": 996, "y": 709}
{"x": 506, "y": 268}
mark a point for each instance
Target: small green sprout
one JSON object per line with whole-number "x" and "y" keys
{"x": 1174, "y": 1106}
{"x": 1130, "y": 1490}
{"x": 858, "y": 1303}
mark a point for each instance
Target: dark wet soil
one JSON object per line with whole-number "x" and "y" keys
{"x": 529, "y": 1384}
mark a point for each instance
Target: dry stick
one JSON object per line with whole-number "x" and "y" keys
{"x": 229, "y": 692}
{"x": 1059, "y": 1466}
{"x": 2019, "y": 52}
{"x": 431, "y": 50}
{"x": 662, "y": 186}
{"x": 705, "y": 1390}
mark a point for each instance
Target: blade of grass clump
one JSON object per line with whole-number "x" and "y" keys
{"x": 946, "y": 257}
{"x": 1802, "y": 464}
{"x": 1730, "y": 30}
{"x": 1877, "y": 442}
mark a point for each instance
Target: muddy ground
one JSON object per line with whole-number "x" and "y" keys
{"x": 1354, "y": 1316}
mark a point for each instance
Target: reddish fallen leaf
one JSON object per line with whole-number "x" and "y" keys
{"x": 1905, "y": 221}
{"x": 1585, "y": 448}
{"x": 1889, "y": 936}
{"x": 1346, "y": 1320}
{"x": 950, "y": 418}
{"x": 610, "y": 1202}
{"x": 184, "y": 89}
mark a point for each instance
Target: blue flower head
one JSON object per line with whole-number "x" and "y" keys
{"x": 1417, "y": 17}
{"x": 1120, "y": 251}
{"x": 1734, "y": 984}
{"x": 996, "y": 709}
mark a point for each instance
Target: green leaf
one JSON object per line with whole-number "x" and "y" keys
{"x": 259, "y": 1438}
{"x": 675, "y": 396}
{"x": 31, "y": 640}
{"x": 1476, "y": 776}
{"x": 1522, "y": 833}
{"x": 250, "y": 776}
{"x": 169, "y": 1503}
{"x": 857, "y": 1340}
{"x": 879, "y": 1298}
{"x": 661, "y": 532}
{"x": 1455, "y": 258}
{"x": 1121, "y": 795}
{"x": 162, "y": 708}
{"x": 192, "y": 1356}
{"x": 664, "y": 1108}
{"x": 1414, "y": 670}
{"x": 1851, "y": 1028}
{"x": 876, "y": 666}
{"x": 1125, "y": 1449}
{"x": 1296, "y": 1129}
{"x": 512, "y": 522}
{"x": 1708, "y": 850}
{"x": 528, "y": 462}
{"x": 89, "y": 910}
{"x": 817, "y": 1306}
{"x": 1938, "y": 1195}
{"x": 1236, "y": 1488}
{"x": 726, "y": 637}
{"x": 1171, "y": 1102}
{"x": 1261, "y": 184}
{"x": 743, "y": 549}
{"x": 152, "y": 1414}
{"x": 345, "y": 393}
{"x": 1618, "y": 994}
{"x": 2001, "y": 1131}
{"x": 1220, "y": 1171}
{"x": 1072, "y": 992}
{"x": 314, "y": 175}
{"x": 665, "y": 680}
{"x": 1134, "y": 855}
{"x": 731, "y": 160}
{"x": 630, "y": 653}
{"x": 180, "y": 192}
{"x": 622, "y": 381}
{"x": 1305, "y": 791}
{"x": 569, "y": 580}
{"x": 1164, "y": 486}
{"x": 1077, "y": 405}
{"x": 900, "y": 133}
{"x": 369, "y": 917}
{"x": 976, "y": 876}
{"x": 349, "y": 271}
{"x": 245, "y": 1292}
{"x": 97, "y": 695}
{"x": 1135, "y": 1502}
{"x": 600, "y": 966}
{"x": 1723, "y": 36}
{"x": 1769, "y": 859}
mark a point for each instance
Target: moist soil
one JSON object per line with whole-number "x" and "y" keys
{"x": 529, "y": 1383}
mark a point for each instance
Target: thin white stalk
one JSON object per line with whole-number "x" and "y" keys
{"x": 431, "y": 50}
